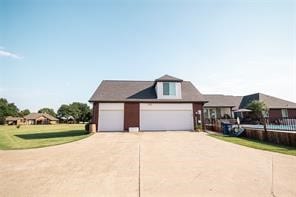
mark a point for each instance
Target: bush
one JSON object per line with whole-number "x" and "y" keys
{"x": 198, "y": 127}
{"x": 86, "y": 127}
{"x": 2, "y": 120}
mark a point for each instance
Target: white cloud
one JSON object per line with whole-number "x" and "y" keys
{"x": 4, "y": 53}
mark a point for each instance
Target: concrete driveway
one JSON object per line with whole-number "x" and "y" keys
{"x": 170, "y": 163}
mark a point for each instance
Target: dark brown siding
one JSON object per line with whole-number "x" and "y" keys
{"x": 95, "y": 114}
{"x": 292, "y": 113}
{"x": 196, "y": 107}
{"x": 275, "y": 114}
{"x": 131, "y": 115}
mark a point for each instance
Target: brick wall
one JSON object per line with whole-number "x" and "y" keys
{"x": 95, "y": 114}
{"x": 196, "y": 107}
{"x": 131, "y": 115}
{"x": 292, "y": 113}
{"x": 275, "y": 114}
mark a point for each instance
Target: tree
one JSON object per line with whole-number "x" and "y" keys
{"x": 80, "y": 111}
{"x": 7, "y": 109}
{"x": 48, "y": 111}
{"x": 259, "y": 110}
{"x": 24, "y": 112}
{"x": 64, "y": 111}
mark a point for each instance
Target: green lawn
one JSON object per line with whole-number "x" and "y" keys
{"x": 35, "y": 136}
{"x": 257, "y": 144}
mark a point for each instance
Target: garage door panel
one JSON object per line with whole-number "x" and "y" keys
{"x": 167, "y": 107}
{"x": 111, "y": 117}
{"x": 165, "y": 117}
{"x": 111, "y": 106}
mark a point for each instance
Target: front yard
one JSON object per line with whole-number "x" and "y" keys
{"x": 257, "y": 144}
{"x": 35, "y": 136}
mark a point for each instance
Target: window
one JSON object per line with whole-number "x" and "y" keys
{"x": 213, "y": 113}
{"x": 218, "y": 113}
{"x": 206, "y": 113}
{"x": 169, "y": 89}
{"x": 284, "y": 113}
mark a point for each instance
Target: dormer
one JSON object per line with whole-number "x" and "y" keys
{"x": 168, "y": 87}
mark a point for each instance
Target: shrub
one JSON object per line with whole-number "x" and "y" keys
{"x": 86, "y": 127}
{"x": 198, "y": 127}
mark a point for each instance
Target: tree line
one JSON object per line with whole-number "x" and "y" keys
{"x": 79, "y": 111}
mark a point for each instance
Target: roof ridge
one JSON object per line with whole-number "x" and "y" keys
{"x": 137, "y": 80}
{"x": 129, "y": 80}
{"x": 220, "y": 95}
{"x": 167, "y": 77}
{"x": 274, "y": 97}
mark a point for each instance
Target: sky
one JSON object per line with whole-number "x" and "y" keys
{"x": 57, "y": 52}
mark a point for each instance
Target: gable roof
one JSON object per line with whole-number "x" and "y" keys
{"x": 220, "y": 100}
{"x": 168, "y": 78}
{"x": 241, "y": 102}
{"x": 140, "y": 91}
{"x": 11, "y": 118}
{"x": 34, "y": 116}
{"x": 270, "y": 101}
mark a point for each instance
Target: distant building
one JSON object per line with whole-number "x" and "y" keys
{"x": 40, "y": 118}
{"x": 14, "y": 120}
{"x": 68, "y": 119}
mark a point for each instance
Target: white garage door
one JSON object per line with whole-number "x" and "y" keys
{"x": 166, "y": 116}
{"x": 111, "y": 116}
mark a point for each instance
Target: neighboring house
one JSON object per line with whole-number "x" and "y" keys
{"x": 277, "y": 108}
{"x": 14, "y": 120}
{"x": 167, "y": 103}
{"x": 222, "y": 104}
{"x": 68, "y": 120}
{"x": 40, "y": 118}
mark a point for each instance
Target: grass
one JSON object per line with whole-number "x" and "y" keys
{"x": 257, "y": 144}
{"x": 36, "y": 136}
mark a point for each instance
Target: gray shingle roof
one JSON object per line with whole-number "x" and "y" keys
{"x": 140, "y": 91}
{"x": 270, "y": 101}
{"x": 241, "y": 102}
{"x": 168, "y": 78}
{"x": 11, "y": 118}
{"x": 33, "y": 116}
{"x": 220, "y": 100}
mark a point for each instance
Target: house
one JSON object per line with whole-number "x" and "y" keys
{"x": 68, "y": 119}
{"x": 226, "y": 104}
{"x": 40, "y": 118}
{"x": 167, "y": 103}
{"x": 277, "y": 108}
{"x": 220, "y": 106}
{"x": 14, "y": 120}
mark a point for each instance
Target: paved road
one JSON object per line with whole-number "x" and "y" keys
{"x": 171, "y": 164}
